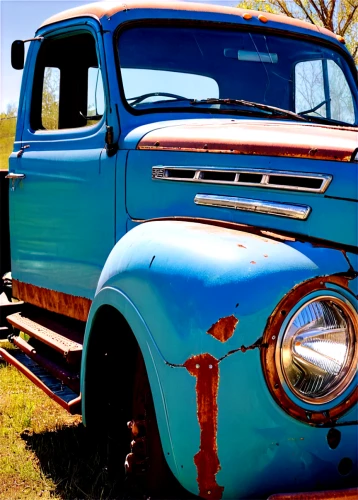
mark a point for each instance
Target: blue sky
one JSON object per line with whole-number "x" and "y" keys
{"x": 19, "y": 19}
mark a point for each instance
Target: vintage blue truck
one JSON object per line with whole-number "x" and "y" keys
{"x": 183, "y": 234}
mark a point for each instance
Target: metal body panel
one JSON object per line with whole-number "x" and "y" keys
{"x": 264, "y": 138}
{"x": 62, "y": 214}
{"x": 178, "y": 280}
{"x": 151, "y": 198}
{"x": 145, "y": 9}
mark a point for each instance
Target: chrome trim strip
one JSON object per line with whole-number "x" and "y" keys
{"x": 161, "y": 172}
{"x": 300, "y": 212}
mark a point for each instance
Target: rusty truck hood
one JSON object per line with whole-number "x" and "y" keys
{"x": 204, "y": 167}
{"x": 254, "y": 137}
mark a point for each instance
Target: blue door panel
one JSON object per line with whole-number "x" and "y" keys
{"x": 62, "y": 213}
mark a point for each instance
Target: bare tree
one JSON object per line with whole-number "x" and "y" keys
{"x": 339, "y": 16}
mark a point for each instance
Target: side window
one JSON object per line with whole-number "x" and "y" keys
{"x": 50, "y": 98}
{"x": 321, "y": 89}
{"x": 68, "y": 88}
{"x": 95, "y": 93}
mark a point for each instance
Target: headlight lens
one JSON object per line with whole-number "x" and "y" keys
{"x": 318, "y": 350}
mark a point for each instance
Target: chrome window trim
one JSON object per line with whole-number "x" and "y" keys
{"x": 300, "y": 212}
{"x": 160, "y": 172}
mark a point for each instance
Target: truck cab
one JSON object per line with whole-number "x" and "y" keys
{"x": 183, "y": 225}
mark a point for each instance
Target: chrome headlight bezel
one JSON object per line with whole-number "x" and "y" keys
{"x": 349, "y": 370}
{"x": 346, "y": 395}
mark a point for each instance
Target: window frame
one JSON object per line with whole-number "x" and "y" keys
{"x": 71, "y": 29}
{"x": 349, "y": 81}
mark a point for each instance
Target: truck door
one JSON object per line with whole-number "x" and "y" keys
{"x": 62, "y": 211}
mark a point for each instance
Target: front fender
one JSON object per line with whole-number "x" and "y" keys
{"x": 184, "y": 276}
{"x": 174, "y": 281}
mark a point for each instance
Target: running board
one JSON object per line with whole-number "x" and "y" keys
{"x": 50, "y": 332}
{"x": 50, "y": 385}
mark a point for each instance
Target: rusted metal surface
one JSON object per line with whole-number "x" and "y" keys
{"x": 70, "y": 349}
{"x": 99, "y": 10}
{"x": 347, "y": 494}
{"x": 268, "y": 356}
{"x": 73, "y": 407}
{"x": 51, "y": 300}
{"x": 205, "y": 368}
{"x": 224, "y": 328}
{"x": 68, "y": 378}
{"x": 254, "y": 138}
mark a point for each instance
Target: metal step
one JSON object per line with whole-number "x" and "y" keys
{"x": 69, "y": 377}
{"x": 50, "y": 331}
{"x": 54, "y": 388}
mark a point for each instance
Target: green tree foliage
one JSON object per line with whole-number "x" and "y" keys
{"x": 7, "y": 133}
{"x": 50, "y": 98}
{"x": 339, "y": 16}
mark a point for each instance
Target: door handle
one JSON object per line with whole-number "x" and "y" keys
{"x": 22, "y": 149}
{"x": 14, "y": 177}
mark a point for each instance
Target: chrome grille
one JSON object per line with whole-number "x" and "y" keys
{"x": 277, "y": 179}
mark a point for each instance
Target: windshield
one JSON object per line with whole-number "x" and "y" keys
{"x": 171, "y": 68}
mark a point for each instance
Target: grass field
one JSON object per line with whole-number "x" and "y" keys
{"x": 7, "y": 134}
{"x": 45, "y": 452}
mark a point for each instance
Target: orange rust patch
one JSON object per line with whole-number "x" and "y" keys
{"x": 252, "y": 262}
{"x": 205, "y": 368}
{"x": 241, "y": 246}
{"x": 58, "y": 302}
{"x": 224, "y": 328}
{"x": 265, "y": 255}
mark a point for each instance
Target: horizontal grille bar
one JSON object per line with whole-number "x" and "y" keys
{"x": 277, "y": 179}
{"x": 300, "y": 212}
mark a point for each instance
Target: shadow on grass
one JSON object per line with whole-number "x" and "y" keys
{"x": 75, "y": 460}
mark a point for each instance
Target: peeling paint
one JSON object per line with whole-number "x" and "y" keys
{"x": 205, "y": 368}
{"x": 224, "y": 328}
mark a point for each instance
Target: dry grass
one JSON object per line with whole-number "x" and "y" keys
{"x": 7, "y": 135}
{"x": 45, "y": 452}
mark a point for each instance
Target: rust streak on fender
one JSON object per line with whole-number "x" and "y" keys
{"x": 205, "y": 368}
{"x": 224, "y": 328}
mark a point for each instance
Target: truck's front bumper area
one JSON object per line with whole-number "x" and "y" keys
{"x": 347, "y": 494}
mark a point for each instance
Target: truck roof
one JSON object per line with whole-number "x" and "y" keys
{"x": 103, "y": 9}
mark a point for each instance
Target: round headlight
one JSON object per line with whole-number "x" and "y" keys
{"x": 318, "y": 350}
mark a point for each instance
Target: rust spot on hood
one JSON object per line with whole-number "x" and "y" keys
{"x": 224, "y": 328}
{"x": 205, "y": 368}
{"x": 263, "y": 138}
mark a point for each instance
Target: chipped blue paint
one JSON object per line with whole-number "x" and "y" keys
{"x": 199, "y": 274}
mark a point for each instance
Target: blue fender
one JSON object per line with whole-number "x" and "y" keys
{"x": 175, "y": 282}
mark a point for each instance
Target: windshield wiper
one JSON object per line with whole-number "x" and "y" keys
{"x": 250, "y": 104}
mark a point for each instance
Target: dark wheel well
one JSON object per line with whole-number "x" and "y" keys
{"x": 111, "y": 361}
{"x": 115, "y": 377}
